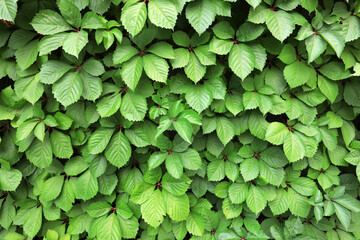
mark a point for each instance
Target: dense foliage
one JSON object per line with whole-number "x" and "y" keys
{"x": 179, "y": 119}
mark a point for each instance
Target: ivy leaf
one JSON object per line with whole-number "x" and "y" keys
{"x": 315, "y": 46}
{"x": 74, "y": 42}
{"x": 294, "y": 147}
{"x": 99, "y": 140}
{"x": 200, "y": 15}
{"x": 255, "y": 199}
{"x": 118, "y": 151}
{"x": 224, "y": 129}
{"x": 199, "y": 97}
{"x": 280, "y": 23}
{"x": 241, "y": 60}
{"x": 33, "y": 222}
{"x": 155, "y": 67}
{"x": 154, "y": 209}
{"x": 133, "y": 17}
{"x": 48, "y": 22}
{"x": 184, "y": 128}
{"x": 131, "y": 71}
{"x": 68, "y": 90}
{"x": 51, "y": 188}
{"x": 133, "y": 106}
{"x": 335, "y": 40}
{"x": 110, "y": 228}
{"x": 9, "y": 179}
{"x": 195, "y": 224}
{"x": 162, "y": 13}
{"x": 86, "y": 186}
{"x": 8, "y": 10}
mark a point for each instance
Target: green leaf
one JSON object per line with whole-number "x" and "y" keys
{"x": 298, "y": 204}
{"x": 75, "y": 42}
{"x": 234, "y": 103}
{"x": 280, "y": 204}
{"x": 123, "y": 53}
{"x": 86, "y": 186}
{"x": 191, "y": 159}
{"x": 329, "y": 88}
{"x": 194, "y": 69}
{"x": 92, "y": 86}
{"x": 154, "y": 209}
{"x": 175, "y": 186}
{"x": 110, "y": 228}
{"x": 351, "y": 28}
{"x": 343, "y": 214}
{"x": 99, "y": 140}
{"x": 200, "y": 15}
{"x": 27, "y": 55}
{"x": 255, "y": 199}
{"x": 204, "y": 55}
{"x": 48, "y": 22}
{"x": 174, "y": 165}
{"x": 335, "y": 40}
{"x": 133, "y": 106}
{"x": 280, "y": 23}
{"x": 109, "y": 105}
{"x": 133, "y": 17}
{"x": 238, "y": 192}
{"x": 33, "y": 222}
{"x": 195, "y": 224}
{"x": 184, "y": 128}
{"x": 241, "y": 60}
{"x": 156, "y": 159}
{"x": 68, "y": 90}
{"x": 294, "y": 147}
{"x": 181, "y": 58}
{"x": 297, "y": 74}
{"x": 162, "y": 13}
{"x": 250, "y": 169}
{"x": 199, "y": 97}
{"x": 224, "y": 129}
{"x": 70, "y": 12}
{"x": 177, "y": 207}
{"x": 334, "y": 71}
{"x": 8, "y": 10}
{"x": 216, "y": 170}
{"x": 315, "y": 46}
{"x": 9, "y": 179}
{"x": 40, "y": 153}
{"x": 131, "y": 72}
{"x": 61, "y": 144}
{"x": 276, "y": 133}
{"x": 118, "y": 151}
{"x": 155, "y": 67}
{"x": 53, "y": 70}
{"x": 51, "y": 188}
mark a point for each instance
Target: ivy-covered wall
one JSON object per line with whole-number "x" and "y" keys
{"x": 179, "y": 119}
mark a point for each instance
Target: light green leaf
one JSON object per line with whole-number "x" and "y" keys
{"x": 199, "y": 97}
{"x": 329, "y": 88}
{"x": 241, "y": 60}
{"x": 177, "y": 207}
{"x": 86, "y": 186}
{"x": 195, "y": 224}
{"x": 216, "y": 170}
{"x": 162, "y": 13}
{"x": 33, "y": 222}
{"x": 315, "y": 46}
{"x": 27, "y": 55}
{"x": 200, "y": 15}
{"x": 109, "y": 105}
{"x": 131, "y": 71}
{"x": 155, "y": 67}
{"x": 110, "y": 228}
{"x": 276, "y": 133}
{"x": 8, "y": 10}
{"x": 154, "y": 209}
{"x": 99, "y": 140}
{"x": 69, "y": 89}
{"x": 250, "y": 168}
{"x": 280, "y": 23}
{"x": 61, "y": 144}
{"x": 194, "y": 69}
{"x": 48, "y": 22}
{"x": 75, "y": 42}
{"x": 51, "y": 188}
{"x": 335, "y": 40}
{"x": 9, "y": 179}
{"x": 133, "y": 17}
{"x": 53, "y": 70}
{"x": 184, "y": 128}
{"x": 255, "y": 199}
{"x": 294, "y": 147}
{"x": 225, "y": 130}
{"x": 297, "y": 74}
{"x": 40, "y": 153}
{"x": 133, "y": 106}
{"x": 118, "y": 151}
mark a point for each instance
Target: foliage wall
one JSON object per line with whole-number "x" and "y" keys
{"x": 179, "y": 119}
